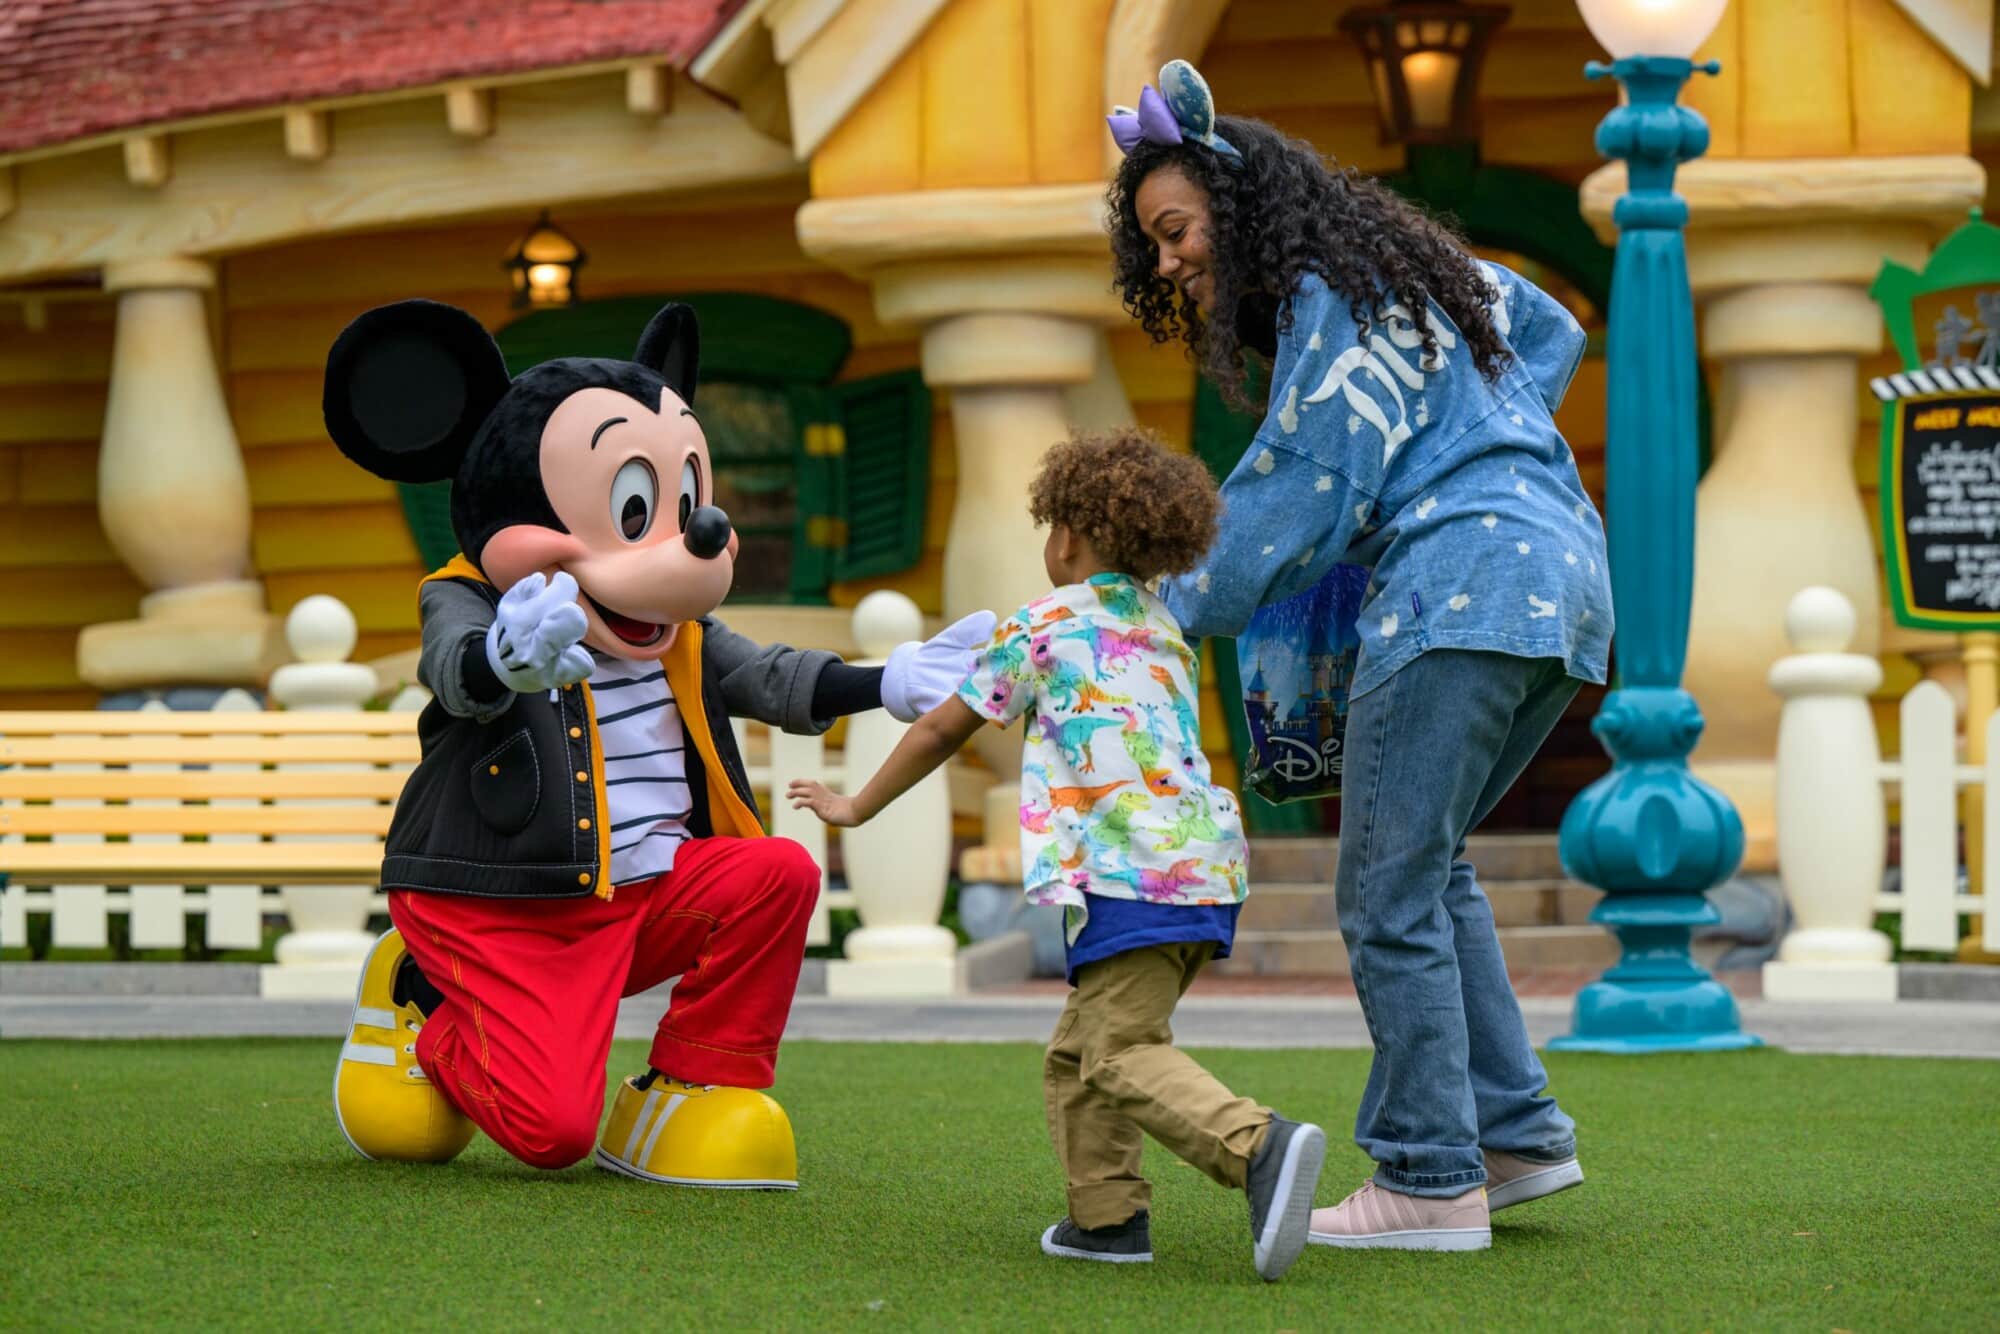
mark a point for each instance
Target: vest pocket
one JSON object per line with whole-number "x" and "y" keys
{"x": 507, "y": 784}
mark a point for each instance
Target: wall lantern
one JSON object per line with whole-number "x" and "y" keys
{"x": 543, "y": 265}
{"x": 1424, "y": 57}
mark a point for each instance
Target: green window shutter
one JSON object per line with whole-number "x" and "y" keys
{"x": 880, "y": 448}
{"x": 816, "y": 472}
{"x": 1220, "y": 438}
{"x": 427, "y": 509}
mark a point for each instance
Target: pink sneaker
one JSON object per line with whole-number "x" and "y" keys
{"x": 1375, "y": 1218}
{"x": 1511, "y": 1180}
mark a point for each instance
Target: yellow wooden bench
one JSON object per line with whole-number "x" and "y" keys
{"x": 103, "y": 812}
{"x": 161, "y": 814}
{"x": 199, "y": 798}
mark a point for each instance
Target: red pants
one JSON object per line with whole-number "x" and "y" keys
{"x": 532, "y": 986}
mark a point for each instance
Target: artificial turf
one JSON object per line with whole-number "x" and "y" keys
{"x": 150, "y": 1184}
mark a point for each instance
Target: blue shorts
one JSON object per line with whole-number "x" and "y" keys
{"x": 1117, "y": 925}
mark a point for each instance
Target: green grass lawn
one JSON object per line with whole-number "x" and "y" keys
{"x": 205, "y": 1184}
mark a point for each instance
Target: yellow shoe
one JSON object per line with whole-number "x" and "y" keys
{"x": 699, "y": 1135}
{"x": 387, "y": 1107}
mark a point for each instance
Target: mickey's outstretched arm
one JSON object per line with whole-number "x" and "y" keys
{"x": 805, "y": 690}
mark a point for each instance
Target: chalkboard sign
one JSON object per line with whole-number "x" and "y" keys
{"x": 1941, "y": 510}
{"x": 1941, "y": 433}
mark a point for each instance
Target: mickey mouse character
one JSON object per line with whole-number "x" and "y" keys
{"x": 580, "y": 827}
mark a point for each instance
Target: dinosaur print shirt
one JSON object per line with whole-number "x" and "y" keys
{"x": 1116, "y": 799}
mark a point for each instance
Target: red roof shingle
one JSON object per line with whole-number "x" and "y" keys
{"x": 70, "y": 69}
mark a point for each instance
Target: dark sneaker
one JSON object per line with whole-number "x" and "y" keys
{"x": 1282, "y": 1179}
{"x": 1126, "y": 1243}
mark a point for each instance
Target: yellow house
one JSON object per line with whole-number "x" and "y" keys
{"x": 888, "y": 213}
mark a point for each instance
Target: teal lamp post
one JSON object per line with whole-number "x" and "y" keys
{"x": 1650, "y": 834}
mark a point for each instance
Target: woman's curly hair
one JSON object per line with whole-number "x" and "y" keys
{"x": 1275, "y": 216}
{"x": 1144, "y": 509}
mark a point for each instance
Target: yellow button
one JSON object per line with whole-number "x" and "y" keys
{"x": 582, "y": 777}
{"x": 583, "y": 879}
{"x": 583, "y": 824}
{"x": 576, "y": 731}
{"x": 492, "y": 768}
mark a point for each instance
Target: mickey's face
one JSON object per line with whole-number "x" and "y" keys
{"x": 635, "y": 490}
{"x": 566, "y": 467}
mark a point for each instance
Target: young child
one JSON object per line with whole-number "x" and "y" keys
{"x": 1121, "y": 824}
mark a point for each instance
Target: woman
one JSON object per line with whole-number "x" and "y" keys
{"x": 1408, "y": 429}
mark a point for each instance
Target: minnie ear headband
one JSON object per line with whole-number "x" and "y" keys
{"x": 1182, "y": 109}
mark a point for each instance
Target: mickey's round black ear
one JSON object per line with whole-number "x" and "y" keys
{"x": 671, "y": 345}
{"x": 407, "y": 387}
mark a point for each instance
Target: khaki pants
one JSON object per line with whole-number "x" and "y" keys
{"x": 1112, "y": 1072}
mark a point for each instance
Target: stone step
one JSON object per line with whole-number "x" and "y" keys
{"x": 1309, "y": 907}
{"x": 1274, "y": 953}
{"x": 1498, "y": 856}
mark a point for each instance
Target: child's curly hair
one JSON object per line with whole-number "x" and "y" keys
{"x": 1146, "y": 510}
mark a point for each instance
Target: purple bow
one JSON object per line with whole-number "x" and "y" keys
{"x": 1153, "y": 121}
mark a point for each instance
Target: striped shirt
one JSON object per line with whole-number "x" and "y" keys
{"x": 645, "y": 766}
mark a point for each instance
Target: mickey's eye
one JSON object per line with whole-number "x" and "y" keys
{"x": 635, "y": 494}
{"x": 690, "y": 490}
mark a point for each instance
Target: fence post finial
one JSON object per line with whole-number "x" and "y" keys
{"x": 899, "y": 864}
{"x": 1819, "y": 620}
{"x": 329, "y": 937}
{"x": 1832, "y": 821}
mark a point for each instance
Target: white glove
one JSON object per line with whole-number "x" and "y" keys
{"x": 921, "y": 676}
{"x": 533, "y": 643}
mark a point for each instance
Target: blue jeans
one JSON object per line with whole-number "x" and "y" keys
{"x": 1429, "y": 753}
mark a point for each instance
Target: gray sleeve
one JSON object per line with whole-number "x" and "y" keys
{"x": 771, "y": 683}
{"x": 454, "y": 618}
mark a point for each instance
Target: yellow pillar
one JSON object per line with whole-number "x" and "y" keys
{"x": 1786, "y": 356}
{"x": 173, "y": 496}
{"x": 1982, "y": 697}
{"x": 1017, "y": 361}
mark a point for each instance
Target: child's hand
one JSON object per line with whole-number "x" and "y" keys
{"x": 828, "y": 806}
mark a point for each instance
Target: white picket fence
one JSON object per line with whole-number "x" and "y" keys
{"x": 1930, "y": 777}
{"x": 772, "y": 759}
{"x": 1833, "y": 814}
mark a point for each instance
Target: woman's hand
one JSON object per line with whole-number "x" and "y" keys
{"x": 827, "y": 805}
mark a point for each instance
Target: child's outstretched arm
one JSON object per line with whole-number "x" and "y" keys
{"x": 931, "y": 740}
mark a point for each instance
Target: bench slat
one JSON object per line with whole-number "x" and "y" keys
{"x": 195, "y": 820}
{"x": 209, "y": 750}
{"x": 235, "y": 912}
{"x": 82, "y": 723}
{"x": 198, "y": 785}
{"x": 192, "y": 863}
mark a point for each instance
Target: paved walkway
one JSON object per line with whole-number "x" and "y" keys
{"x": 1902, "y": 1028}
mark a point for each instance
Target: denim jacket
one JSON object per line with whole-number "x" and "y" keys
{"x": 1459, "y": 494}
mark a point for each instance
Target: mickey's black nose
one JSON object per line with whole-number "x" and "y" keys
{"x": 707, "y": 532}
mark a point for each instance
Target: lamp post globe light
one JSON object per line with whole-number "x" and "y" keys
{"x": 1649, "y": 833}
